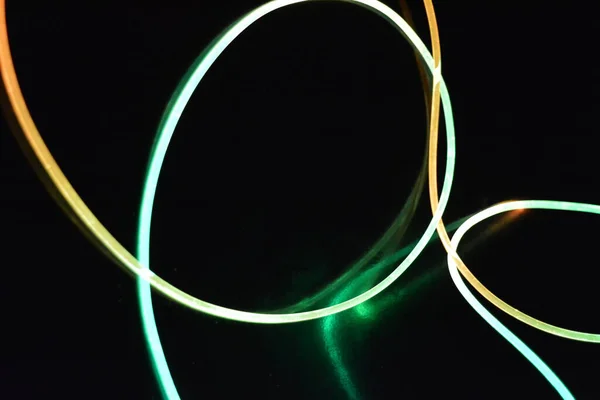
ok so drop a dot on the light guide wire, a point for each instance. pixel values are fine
(78, 210)
(166, 129)
(533, 358)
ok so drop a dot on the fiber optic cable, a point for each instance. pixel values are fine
(165, 132)
(65, 195)
(433, 193)
(548, 374)
(433, 139)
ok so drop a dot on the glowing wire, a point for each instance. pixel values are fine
(166, 129)
(53, 177)
(177, 105)
(433, 195)
(493, 321)
(556, 383)
(519, 205)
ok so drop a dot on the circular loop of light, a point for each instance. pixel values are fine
(65, 195)
(166, 129)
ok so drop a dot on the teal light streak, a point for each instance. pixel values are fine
(166, 129)
(533, 358)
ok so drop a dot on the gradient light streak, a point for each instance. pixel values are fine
(518, 206)
(71, 203)
(548, 374)
(433, 196)
(166, 130)
(56, 182)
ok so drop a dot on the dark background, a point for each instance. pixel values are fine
(294, 154)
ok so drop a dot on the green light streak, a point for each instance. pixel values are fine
(369, 309)
(166, 130)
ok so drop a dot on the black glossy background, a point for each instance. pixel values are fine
(294, 154)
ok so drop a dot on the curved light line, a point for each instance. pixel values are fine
(166, 130)
(548, 374)
(433, 196)
(78, 211)
(487, 316)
